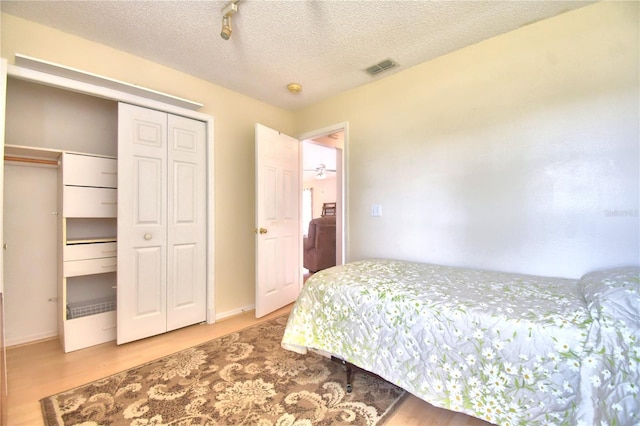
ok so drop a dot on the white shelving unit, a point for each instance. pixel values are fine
(88, 229)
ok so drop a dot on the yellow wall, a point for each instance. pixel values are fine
(518, 153)
(235, 116)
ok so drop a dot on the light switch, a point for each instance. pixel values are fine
(376, 209)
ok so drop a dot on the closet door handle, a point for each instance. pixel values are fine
(108, 202)
(109, 173)
(147, 237)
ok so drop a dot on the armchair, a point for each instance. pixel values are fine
(320, 244)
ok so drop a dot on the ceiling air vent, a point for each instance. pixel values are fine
(381, 67)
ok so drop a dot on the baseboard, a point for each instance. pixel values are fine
(29, 340)
(234, 312)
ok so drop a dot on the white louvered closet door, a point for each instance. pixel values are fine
(161, 223)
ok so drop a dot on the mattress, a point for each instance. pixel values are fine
(507, 348)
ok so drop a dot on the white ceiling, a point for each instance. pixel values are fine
(323, 44)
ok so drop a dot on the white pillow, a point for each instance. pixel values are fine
(614, 293)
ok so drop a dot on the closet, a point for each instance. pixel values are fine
(42, 123)
(134, 186)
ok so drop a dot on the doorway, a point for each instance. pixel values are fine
(322, 159)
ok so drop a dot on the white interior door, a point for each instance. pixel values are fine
(187, 231)
(278, 235)
(142, 219)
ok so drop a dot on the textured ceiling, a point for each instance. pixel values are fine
(323, 45)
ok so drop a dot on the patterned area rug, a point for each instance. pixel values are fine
(244, 378)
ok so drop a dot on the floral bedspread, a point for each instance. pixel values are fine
(507, 348)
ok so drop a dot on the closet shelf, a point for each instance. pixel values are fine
(92, 240)
(26, 154)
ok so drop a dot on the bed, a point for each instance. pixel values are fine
(507, 348)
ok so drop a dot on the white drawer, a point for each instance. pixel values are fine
(85, 170)
(76, 268)
(88, 331)
(89, 202)
(89, 251)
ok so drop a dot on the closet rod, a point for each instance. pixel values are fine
(31, 160)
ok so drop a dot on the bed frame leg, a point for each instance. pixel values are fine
(349, 368)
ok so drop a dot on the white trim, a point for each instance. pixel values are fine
(32, 338)
(326, 131)
(4, 390)
(99, 91)
(87, 77)
(3, 99)
(343, 172)
(211, 220)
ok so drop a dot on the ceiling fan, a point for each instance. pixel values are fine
(321, 171)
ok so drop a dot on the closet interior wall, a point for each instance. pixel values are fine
(43, 121)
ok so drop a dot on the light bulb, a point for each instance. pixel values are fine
(226, 27)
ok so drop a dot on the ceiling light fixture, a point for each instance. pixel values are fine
(320, 171)
(294, 88)
(227, 12)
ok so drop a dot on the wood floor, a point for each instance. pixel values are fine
(42, 369)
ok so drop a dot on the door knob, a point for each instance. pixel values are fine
(262, 230)
(147, 237)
